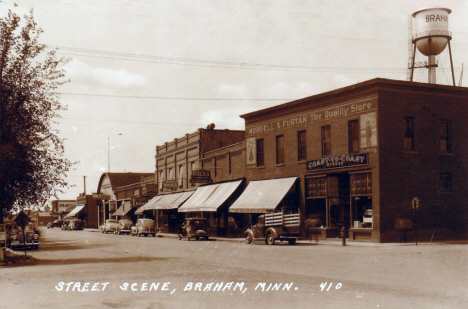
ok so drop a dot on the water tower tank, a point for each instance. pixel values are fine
(431, 33)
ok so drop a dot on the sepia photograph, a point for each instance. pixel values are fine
(233, 154)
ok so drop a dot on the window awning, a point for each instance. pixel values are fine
(210, 197)
(172, 201)
(75, 211)
(262, 196)
(123, 210)
(148, 206)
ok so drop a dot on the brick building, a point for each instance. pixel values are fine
(364, 155)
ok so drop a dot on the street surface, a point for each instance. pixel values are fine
(82, 269)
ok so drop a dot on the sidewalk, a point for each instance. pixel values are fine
(330, 242)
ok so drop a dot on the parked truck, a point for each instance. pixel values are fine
(275, 226)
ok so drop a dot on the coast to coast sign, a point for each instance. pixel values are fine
(348, 160)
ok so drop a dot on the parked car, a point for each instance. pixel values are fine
(143, 227)
(65, 224)
(75, 225)
(194, 228)
(110, 226)
(55, 223)
(124, 226)
(16, 239)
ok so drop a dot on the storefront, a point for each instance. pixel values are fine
(264, 196)
(212, 202)
(168, 219)
(363, 153)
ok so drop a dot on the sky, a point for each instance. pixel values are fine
(144, 72)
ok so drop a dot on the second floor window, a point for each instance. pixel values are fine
(301, 146)
(326, 141)
(260, 152)
(445, 182)
(353, 136)
(445, 144)
(409, 134)
(279, 149)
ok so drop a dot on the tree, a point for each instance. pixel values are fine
(32, 163)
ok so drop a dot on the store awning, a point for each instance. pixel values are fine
(75, 211)
(148, 206)
(123, 210)
(172, 201)
(210, 197)
(262, 196)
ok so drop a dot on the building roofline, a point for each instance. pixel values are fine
(376, 83)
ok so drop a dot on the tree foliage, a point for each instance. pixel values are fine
(32, 163)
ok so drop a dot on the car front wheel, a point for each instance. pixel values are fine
(248, 238)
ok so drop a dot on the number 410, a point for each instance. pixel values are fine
(323, 286)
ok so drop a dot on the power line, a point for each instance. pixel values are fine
(163, 98)
(211, 63)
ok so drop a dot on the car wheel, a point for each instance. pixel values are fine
(248, 238)
(270, 240)
(292, 242)
(197, 238)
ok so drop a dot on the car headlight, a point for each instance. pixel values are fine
(13, 237)
(36, 236)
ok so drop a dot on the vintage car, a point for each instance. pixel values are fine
(75, 225)
(124, 227)
(16, 239)
(55, 223)
(109, 227)
(65, 224)
(194, 228)
(143, 227)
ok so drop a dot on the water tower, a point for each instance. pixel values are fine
(430, 36)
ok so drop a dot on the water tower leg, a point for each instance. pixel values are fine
(412, 64)
(451, 62)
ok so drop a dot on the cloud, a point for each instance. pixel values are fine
(234, 91)
(282, 90)
(81, 72)
(224, 119)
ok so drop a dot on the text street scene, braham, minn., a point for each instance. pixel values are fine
(244, 154)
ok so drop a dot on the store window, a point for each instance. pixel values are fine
(353, 136)
(445, 182)
(326, 141)
(361, 200)
(180, 176)
(279, 149)
(260, 152)
(161, 179)
(409, 134)
(445, 144)
(192, 168)
(301, 146)
(316, 203)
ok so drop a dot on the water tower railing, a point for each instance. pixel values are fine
(442, 33)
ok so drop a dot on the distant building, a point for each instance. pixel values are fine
(115, 189)
(60, 208)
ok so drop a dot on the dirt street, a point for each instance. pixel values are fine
(83, 269)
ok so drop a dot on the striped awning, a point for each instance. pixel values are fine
(148, 206)
(172, 201)
(210, 197)
(262, 196)
(123, 210)
(75, 211)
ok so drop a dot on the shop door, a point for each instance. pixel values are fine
(338, 201)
